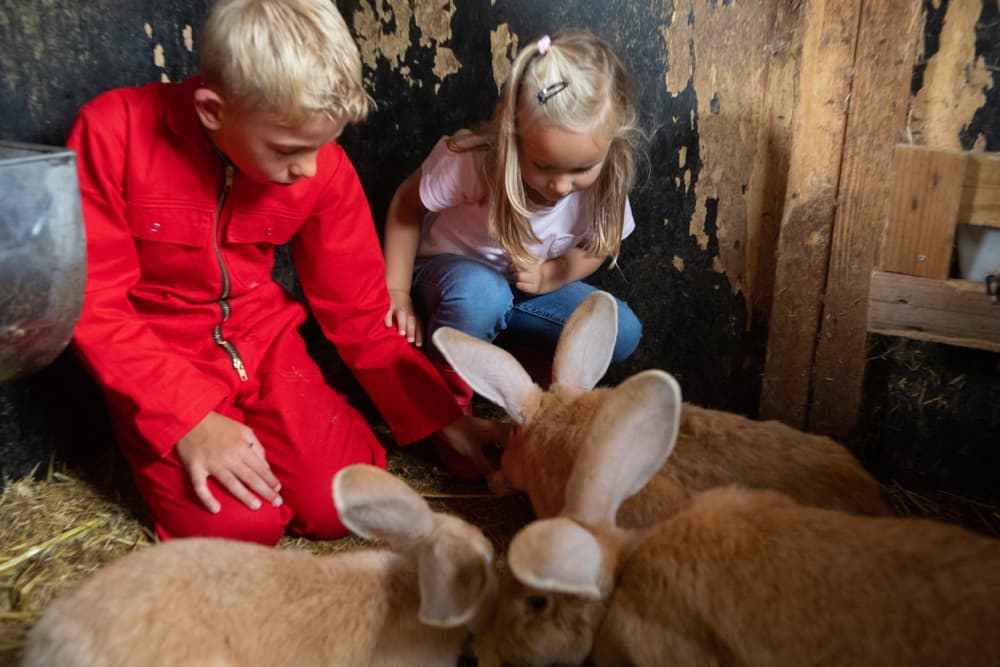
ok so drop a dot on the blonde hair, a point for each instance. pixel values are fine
(599, 92)
(295, 58)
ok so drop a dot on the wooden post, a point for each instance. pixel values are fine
(880, 95)
(809, 207)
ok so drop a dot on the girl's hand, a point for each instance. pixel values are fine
(229, 451)
(402, 315)
(530, 279)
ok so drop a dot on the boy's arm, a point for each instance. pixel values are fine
(550, 275)
(340, 265)
(165, 394)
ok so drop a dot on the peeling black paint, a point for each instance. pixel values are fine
(694, 325)
(54, 56)
(933, 24)
(986, 121)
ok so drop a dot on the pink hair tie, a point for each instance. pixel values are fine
(543, 44)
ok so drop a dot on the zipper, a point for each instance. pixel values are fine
(225, 309)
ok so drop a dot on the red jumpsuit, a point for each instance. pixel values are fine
(181, 316)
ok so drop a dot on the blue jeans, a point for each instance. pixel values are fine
(473, 297)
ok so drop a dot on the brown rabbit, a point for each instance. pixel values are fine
(713, 447)
(218, 602)
(736, 576)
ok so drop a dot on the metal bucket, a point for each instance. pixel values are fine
(42, 256)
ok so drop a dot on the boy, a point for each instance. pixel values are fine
(226, 422)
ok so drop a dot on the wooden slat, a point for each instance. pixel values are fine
(809, 206)
(924, 200)
(957, 312)
(887, 45)
(981, 190)
(769, 178)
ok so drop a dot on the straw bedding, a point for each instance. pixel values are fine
(61, 525)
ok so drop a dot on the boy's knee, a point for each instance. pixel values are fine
(233, 522)
(319, 522)
(309, 492)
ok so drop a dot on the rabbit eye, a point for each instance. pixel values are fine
(537, 603)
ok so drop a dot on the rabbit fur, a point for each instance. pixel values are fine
(204, 601)
(713, 447)
(736, 576)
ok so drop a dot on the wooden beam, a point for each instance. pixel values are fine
(810, 202)
(957, 312)
(880, 96)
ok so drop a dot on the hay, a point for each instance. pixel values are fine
(64, 526)
(59, 529)
(56, 531)
(944, 506)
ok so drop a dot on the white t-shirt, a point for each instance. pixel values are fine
(458, 222)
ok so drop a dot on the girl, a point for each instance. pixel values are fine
(523, 208)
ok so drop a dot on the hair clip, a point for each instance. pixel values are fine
(547, 92)
(543, 44)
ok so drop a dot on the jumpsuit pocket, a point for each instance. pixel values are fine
(177, 226)
(258, 228)
(251, 237)
(170, 242)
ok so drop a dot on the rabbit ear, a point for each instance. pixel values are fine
(586, 343)
(456, 575)
(491, 371)
(557, 555)
(376, 505)
(632, 435)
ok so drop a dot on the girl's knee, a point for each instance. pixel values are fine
(479, 305)
(629, 334)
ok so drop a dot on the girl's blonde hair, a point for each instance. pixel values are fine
(295, 58)
(599, 92)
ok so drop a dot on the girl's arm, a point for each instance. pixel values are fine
(550, 275)
(402, 237)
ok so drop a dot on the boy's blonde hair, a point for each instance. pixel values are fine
(295, 58)
(599, 92)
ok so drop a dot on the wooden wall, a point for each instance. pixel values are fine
(723, 88)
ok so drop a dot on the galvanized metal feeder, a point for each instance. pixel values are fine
(42, 256)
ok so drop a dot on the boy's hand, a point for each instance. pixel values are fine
(530, 279)
(401, 315)
(229, 451)
(469, 436)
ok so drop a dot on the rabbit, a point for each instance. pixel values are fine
(207, 601)
(736, 576)
(713, 447)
